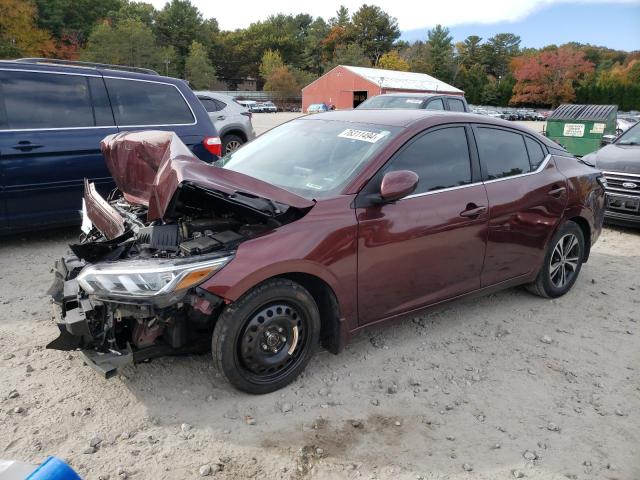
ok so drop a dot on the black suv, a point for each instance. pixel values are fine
(426, 101)
(53, 115)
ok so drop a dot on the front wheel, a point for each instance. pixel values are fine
(264, 340)
(562, 263)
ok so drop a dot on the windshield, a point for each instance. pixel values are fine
(394, 101)
(631, 136)
(311, 158)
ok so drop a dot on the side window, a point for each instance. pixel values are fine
(435, 104)
(139, 103)
(503, 153)
(209, 105)
(220, 105)
(456, 105)
(440, 158)
(536, 153)
(45, 100)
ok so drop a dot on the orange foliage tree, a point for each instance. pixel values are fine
(549, 77)
(19, 34)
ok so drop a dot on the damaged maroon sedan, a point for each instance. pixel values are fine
(317, 229)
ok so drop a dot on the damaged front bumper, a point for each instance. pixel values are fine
(75, 316)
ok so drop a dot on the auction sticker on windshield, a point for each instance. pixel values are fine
(363, 135)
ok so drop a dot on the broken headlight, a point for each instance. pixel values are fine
(147, 278)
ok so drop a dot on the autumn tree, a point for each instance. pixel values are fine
(393, 61)
(19, 35)
(198, 69)
(282, 82)
(271, 60)
(549, 77)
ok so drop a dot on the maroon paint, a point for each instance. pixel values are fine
(396, 185)
(385, 261)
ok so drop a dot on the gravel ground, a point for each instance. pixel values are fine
(494, 388)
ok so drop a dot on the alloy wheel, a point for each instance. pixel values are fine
(564, 260)
(232, 146)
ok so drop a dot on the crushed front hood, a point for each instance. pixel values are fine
(149, 167)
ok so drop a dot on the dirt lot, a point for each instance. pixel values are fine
(506, 385)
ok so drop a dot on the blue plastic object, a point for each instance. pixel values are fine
(54, 469)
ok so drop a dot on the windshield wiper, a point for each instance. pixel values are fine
(629, 143)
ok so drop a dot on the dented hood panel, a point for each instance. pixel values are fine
(149, 166)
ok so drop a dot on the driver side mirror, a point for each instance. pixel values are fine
(397, 185)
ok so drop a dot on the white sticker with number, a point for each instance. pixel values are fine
(363, 135)
(573, 130)
(598, 128)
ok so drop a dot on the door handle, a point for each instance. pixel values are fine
(221, 117)
(556, 191)
(473, 211)
(26, 146)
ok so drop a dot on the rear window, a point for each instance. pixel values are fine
(143, 103)
(392, 101)
(30, 100)
(503, 153)
(536, 153)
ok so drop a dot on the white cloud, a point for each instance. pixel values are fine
(411, 14)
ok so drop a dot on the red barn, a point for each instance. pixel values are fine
(346, 87)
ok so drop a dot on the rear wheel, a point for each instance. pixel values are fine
(231, 143)
(264, 340)
(562, 263)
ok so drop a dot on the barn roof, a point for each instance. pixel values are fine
(394, 79)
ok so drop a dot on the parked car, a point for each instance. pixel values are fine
(317, 108)
(231, 119)
(427, 101)
(623, 124)
(268, 252)
(52, 117)
(269, 107)
(620, 163)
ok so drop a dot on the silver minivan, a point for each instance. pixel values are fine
(231, 119)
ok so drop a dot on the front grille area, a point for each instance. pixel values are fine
(616, 181)
(623, 193)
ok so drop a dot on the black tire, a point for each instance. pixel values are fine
(230, 143)
(240, 336)
(550, 282)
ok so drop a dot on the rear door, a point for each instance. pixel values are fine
(429, 246)
(527, 196)
(50, 142)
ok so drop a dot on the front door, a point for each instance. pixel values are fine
(49, 143)
(527, 195)
(429, 246)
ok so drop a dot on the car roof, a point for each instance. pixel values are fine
(419, 119)
(87, 70)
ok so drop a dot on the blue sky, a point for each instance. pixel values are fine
(611, 25)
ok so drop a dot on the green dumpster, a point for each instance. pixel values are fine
(579, 128)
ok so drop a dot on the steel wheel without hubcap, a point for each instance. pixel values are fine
(564, 260)
(273, 341)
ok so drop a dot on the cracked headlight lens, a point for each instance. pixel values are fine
(147, 278)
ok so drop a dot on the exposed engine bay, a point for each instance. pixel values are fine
(130, 289)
